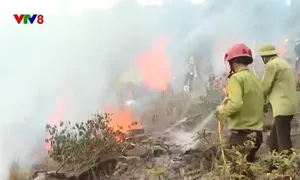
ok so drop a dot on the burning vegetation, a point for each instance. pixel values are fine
(114, 146)
(76, 143)
(156, 144)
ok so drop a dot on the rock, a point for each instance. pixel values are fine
(137, 151)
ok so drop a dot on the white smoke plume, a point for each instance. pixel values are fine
(71, 62)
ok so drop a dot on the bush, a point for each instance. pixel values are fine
(236, 167)
(82, 141)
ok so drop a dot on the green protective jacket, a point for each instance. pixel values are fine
(279, 87)
(244, 107)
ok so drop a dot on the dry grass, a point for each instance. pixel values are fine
(15, 172)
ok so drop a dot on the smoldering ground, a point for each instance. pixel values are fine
(66, 68)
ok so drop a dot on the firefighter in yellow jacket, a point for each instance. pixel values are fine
(243, 109)
(280, 88)
(126, 86)
(190, 74)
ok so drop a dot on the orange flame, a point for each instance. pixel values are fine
(57, 116)
(154, 66)
(122, 117)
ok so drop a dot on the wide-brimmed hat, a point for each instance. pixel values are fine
(267, 50)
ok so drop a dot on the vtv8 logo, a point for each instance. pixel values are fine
(30, 18)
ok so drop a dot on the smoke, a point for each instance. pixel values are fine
(228, 22)
(66, 68)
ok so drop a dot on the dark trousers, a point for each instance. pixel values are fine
(280, 136)
(239, 137)
(188, 80)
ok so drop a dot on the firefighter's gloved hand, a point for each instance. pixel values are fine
(218, 109)
(221, 118)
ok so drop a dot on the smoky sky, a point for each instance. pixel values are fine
(78, 59)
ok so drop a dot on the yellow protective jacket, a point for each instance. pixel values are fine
(244, 107)
(279, 87)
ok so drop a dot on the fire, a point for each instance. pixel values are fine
(282, 48)
(124, 118)
(57, 116)
(154, 66)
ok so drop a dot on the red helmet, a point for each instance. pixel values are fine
(238, 50)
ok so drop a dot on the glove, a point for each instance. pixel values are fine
(218, 109)
(217, 113)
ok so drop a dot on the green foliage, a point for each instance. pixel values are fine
(82, 141)
(237, 167)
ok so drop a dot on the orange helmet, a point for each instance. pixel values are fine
(238, 50)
